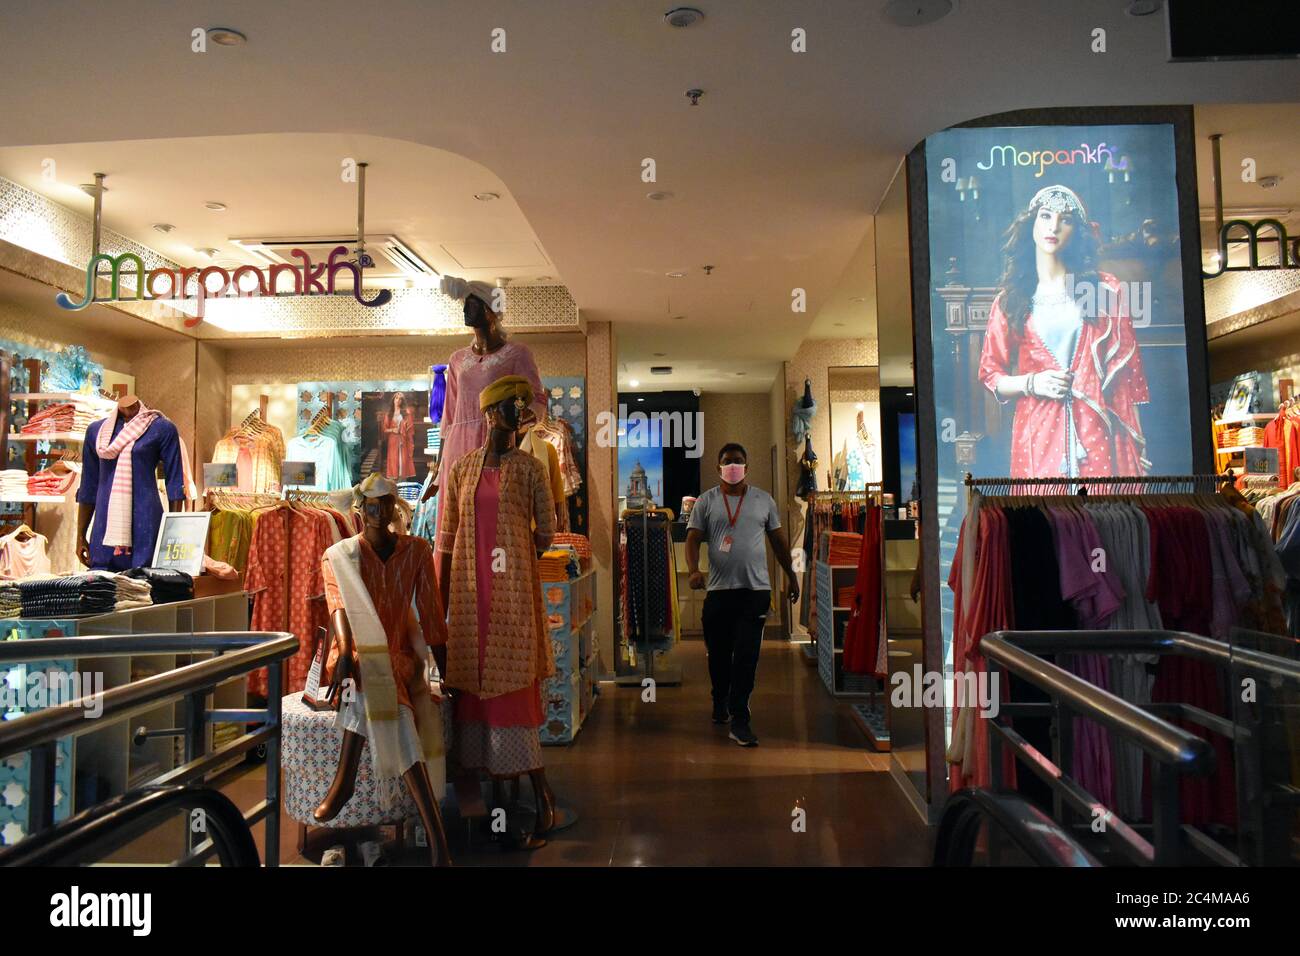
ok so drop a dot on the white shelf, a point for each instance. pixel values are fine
(1238, 449)
(93, 400)
(48, 436)
(36, 499)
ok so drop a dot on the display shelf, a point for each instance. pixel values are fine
(92, 400)
(570, 608)
(97, 765)
(48, 436)
(830, 624)
(36, 499)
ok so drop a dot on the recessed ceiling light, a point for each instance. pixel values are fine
(858, 298)
(225, 36)
(164, 227)
(660, 354)
(215, 206)
(677, 275)
(917, 13)
(659, 195)
(859, 407)
(634, 383)
(207, 251)
(640, 399)
(683, 17)
(1143, 8)
(486, 197)
(678, 318)
(839, 325)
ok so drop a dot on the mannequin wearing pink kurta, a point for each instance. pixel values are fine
(464, 427)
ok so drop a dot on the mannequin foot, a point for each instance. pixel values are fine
(544, 797)
(334, 802)
(527, 841)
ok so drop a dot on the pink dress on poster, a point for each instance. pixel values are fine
(464, 427)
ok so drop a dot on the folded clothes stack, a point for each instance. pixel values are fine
(131, 592)
(63, 417)
(167, 584)
(13, 484)
(58, 479)
(558, 564)
(66, 596)
(578, 542)
(11, 602)
(845, 547)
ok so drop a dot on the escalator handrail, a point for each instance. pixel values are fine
(1180, 749)
(1033, 832)
(93, 833)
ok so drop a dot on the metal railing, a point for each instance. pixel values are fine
(1036, 836)
(237, 653)
(93, 834)
(1173, 751)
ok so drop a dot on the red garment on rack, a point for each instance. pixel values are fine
(284, 568)
(862, 634)
(1181, 584)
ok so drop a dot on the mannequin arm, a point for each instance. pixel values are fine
(341, 631)
(84, 515)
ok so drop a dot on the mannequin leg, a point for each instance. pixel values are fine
(345, 778)
(545, 799)
(416, 778)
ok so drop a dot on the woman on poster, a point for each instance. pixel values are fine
(1060, 344)
(398, 428)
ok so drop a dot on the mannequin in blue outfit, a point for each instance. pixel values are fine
(161, 443)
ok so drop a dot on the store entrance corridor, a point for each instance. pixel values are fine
(657, 784)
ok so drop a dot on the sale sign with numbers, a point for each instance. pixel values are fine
(181, 540)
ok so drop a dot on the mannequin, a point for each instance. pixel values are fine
(395, 572)
(124, 522)
(469, 370)
(498, 648)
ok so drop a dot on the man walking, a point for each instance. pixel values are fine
(734, 518)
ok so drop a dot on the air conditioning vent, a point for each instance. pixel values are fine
(661, 370)
(393, 259)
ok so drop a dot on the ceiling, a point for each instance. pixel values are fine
(774, 175)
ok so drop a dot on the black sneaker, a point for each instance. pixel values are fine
(742, 735)
(720, 714)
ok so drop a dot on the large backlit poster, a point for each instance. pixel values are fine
(1056, 313)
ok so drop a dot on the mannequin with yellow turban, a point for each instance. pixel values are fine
(498, 645)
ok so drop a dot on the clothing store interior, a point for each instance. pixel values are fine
(647, 457)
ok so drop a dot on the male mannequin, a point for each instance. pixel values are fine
(104, 444)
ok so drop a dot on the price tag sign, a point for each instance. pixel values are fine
(297, 473)
(220, 475)
(1261, 461)
(181, 540)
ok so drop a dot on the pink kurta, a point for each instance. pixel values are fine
(464, 426)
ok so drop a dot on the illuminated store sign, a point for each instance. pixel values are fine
(1288, 249)
(308, 279)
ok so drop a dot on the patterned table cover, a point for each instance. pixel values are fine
(309, 757)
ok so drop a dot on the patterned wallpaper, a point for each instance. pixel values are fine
(20, 325)
(738, 417)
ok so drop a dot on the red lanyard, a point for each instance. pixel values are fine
(731, 519)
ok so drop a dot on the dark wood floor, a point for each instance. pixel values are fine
(658, 784)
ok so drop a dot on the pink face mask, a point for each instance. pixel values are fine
(733, 474)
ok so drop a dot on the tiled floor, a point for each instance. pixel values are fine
(658, 784)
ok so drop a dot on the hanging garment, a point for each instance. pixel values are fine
(23, 553)
(256, 448)
(325, 449)
(558, 433)
(862, 634)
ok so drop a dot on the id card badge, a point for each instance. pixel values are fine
(726, 545)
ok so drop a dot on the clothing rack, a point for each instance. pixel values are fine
(874, 491)
(1124, 484)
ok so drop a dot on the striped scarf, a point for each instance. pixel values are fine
(117, 524)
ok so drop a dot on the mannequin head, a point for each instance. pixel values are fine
(377, 501)
(504, 416)
(478, 314)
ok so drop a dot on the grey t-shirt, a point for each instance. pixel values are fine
(745, 564)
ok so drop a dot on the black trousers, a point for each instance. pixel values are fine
(733, 633)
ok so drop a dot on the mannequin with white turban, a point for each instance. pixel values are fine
(473, 368)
